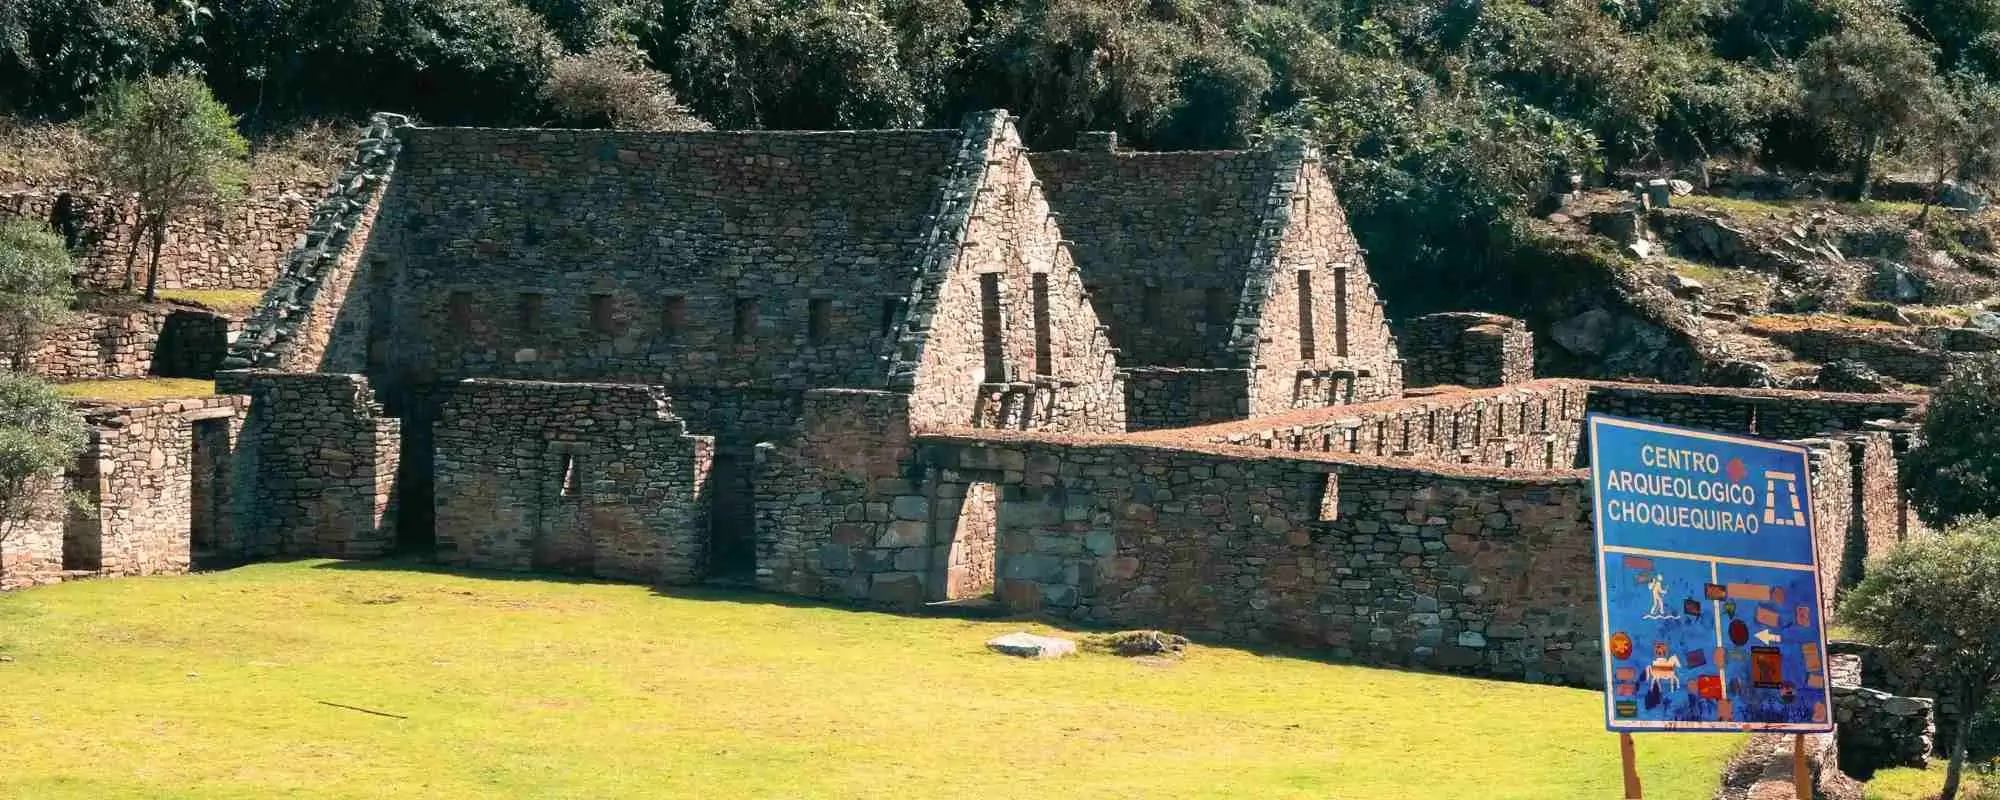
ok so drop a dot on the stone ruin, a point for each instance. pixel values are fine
(892, 368)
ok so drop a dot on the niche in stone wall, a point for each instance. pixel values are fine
(673, 316)
(819, 322)
(745, 324)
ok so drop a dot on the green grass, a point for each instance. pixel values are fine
(1923, 784)
(132, 390)
(1737, 206)
(214, 686)
(227, 301)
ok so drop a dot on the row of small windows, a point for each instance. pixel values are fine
(601, 313)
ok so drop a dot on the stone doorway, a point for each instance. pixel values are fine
(732, 550)
(208, 491)
(971, 550)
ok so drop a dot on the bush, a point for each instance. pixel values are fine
(1956, 471)
(610, 87)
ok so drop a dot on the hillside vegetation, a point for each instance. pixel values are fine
(1445, 119)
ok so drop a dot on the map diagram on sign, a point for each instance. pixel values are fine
(1708, 580)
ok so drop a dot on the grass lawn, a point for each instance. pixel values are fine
(227, 301)
(1923, 784)
(217, 685)
(133, 390)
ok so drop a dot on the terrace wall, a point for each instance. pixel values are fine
(1771, 414)
(132, 342)
(237, 245)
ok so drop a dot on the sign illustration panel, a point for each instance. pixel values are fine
(1708, 580)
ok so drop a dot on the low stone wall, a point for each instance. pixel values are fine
(315, 468)
(1533, 426)
(1466, 348)
(1905, 361)
(1879, 730)
(237, 245)
(1159, 398)
(1767, 413)
(588, 479)
(1883, 672)
(31, 551)
(157, 478)
(1468, 569)
(133, 342)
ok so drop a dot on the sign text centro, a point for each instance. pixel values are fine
(1708, 581)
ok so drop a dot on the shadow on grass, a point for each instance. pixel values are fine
(750, 596)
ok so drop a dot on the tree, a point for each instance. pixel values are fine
(1873, 86)
(1966, 137)
(40, 434)
(1932, 602)
(36, 290)
(1956, 471)
(797, 64)
(168, 143)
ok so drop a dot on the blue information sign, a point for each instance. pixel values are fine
(1709, 581)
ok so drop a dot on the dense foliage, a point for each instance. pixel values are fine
(36, 288)
(40, 434)
(1930, 602)
(1445, 118)
(1956, 472)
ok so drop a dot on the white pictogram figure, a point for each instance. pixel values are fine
(1665, 668)
(1659, 590)
(1771, 480)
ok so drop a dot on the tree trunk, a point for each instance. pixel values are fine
(132, 253)
(153, 266)
(1955, 769)
(1864, 167)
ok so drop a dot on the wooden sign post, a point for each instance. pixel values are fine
(1801, 771)
(1631, 760)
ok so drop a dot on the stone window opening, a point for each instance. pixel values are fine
(673, 316)
(1306, 333)
(1215, 303)
(1340, 311)
(528, 313)
(1044, 347)
(572, 477)
(603, 314)
(990, 315)
(746, 320)
(1149, 305)
(819, 311)
(892, 313)
(458, 313)
(1327, 504)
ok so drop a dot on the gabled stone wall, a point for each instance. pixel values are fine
(585, 479)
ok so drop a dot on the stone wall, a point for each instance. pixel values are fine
(234, 245)
(315, 466)
(1533, 426)
(1833, 503)
(839, 510)
(1463, 569)
(157, 478)
(1466, 348)
(1158, 398)
(133, 341)
(1905, 361)
(587, 479)
(1767, 413)
(1879, 730)
(1885, 672)
(31, 550)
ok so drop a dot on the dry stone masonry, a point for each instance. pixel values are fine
(234, 245)
(891, 368)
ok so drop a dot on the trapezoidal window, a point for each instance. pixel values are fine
(603, 315)
(528, 313)
(1149, 305)
(819, 313)
(990, 313)
(458, 313)
(1215, 305)
(746, 320)
(1306, 333)
(673, 316)
(892, 313)
(1044, 348)
(1340, 310)
(572, 476)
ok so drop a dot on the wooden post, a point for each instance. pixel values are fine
(1801, 771)
(1631, 760)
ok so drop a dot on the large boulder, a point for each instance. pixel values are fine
(1586, 334)
(1848, 375)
